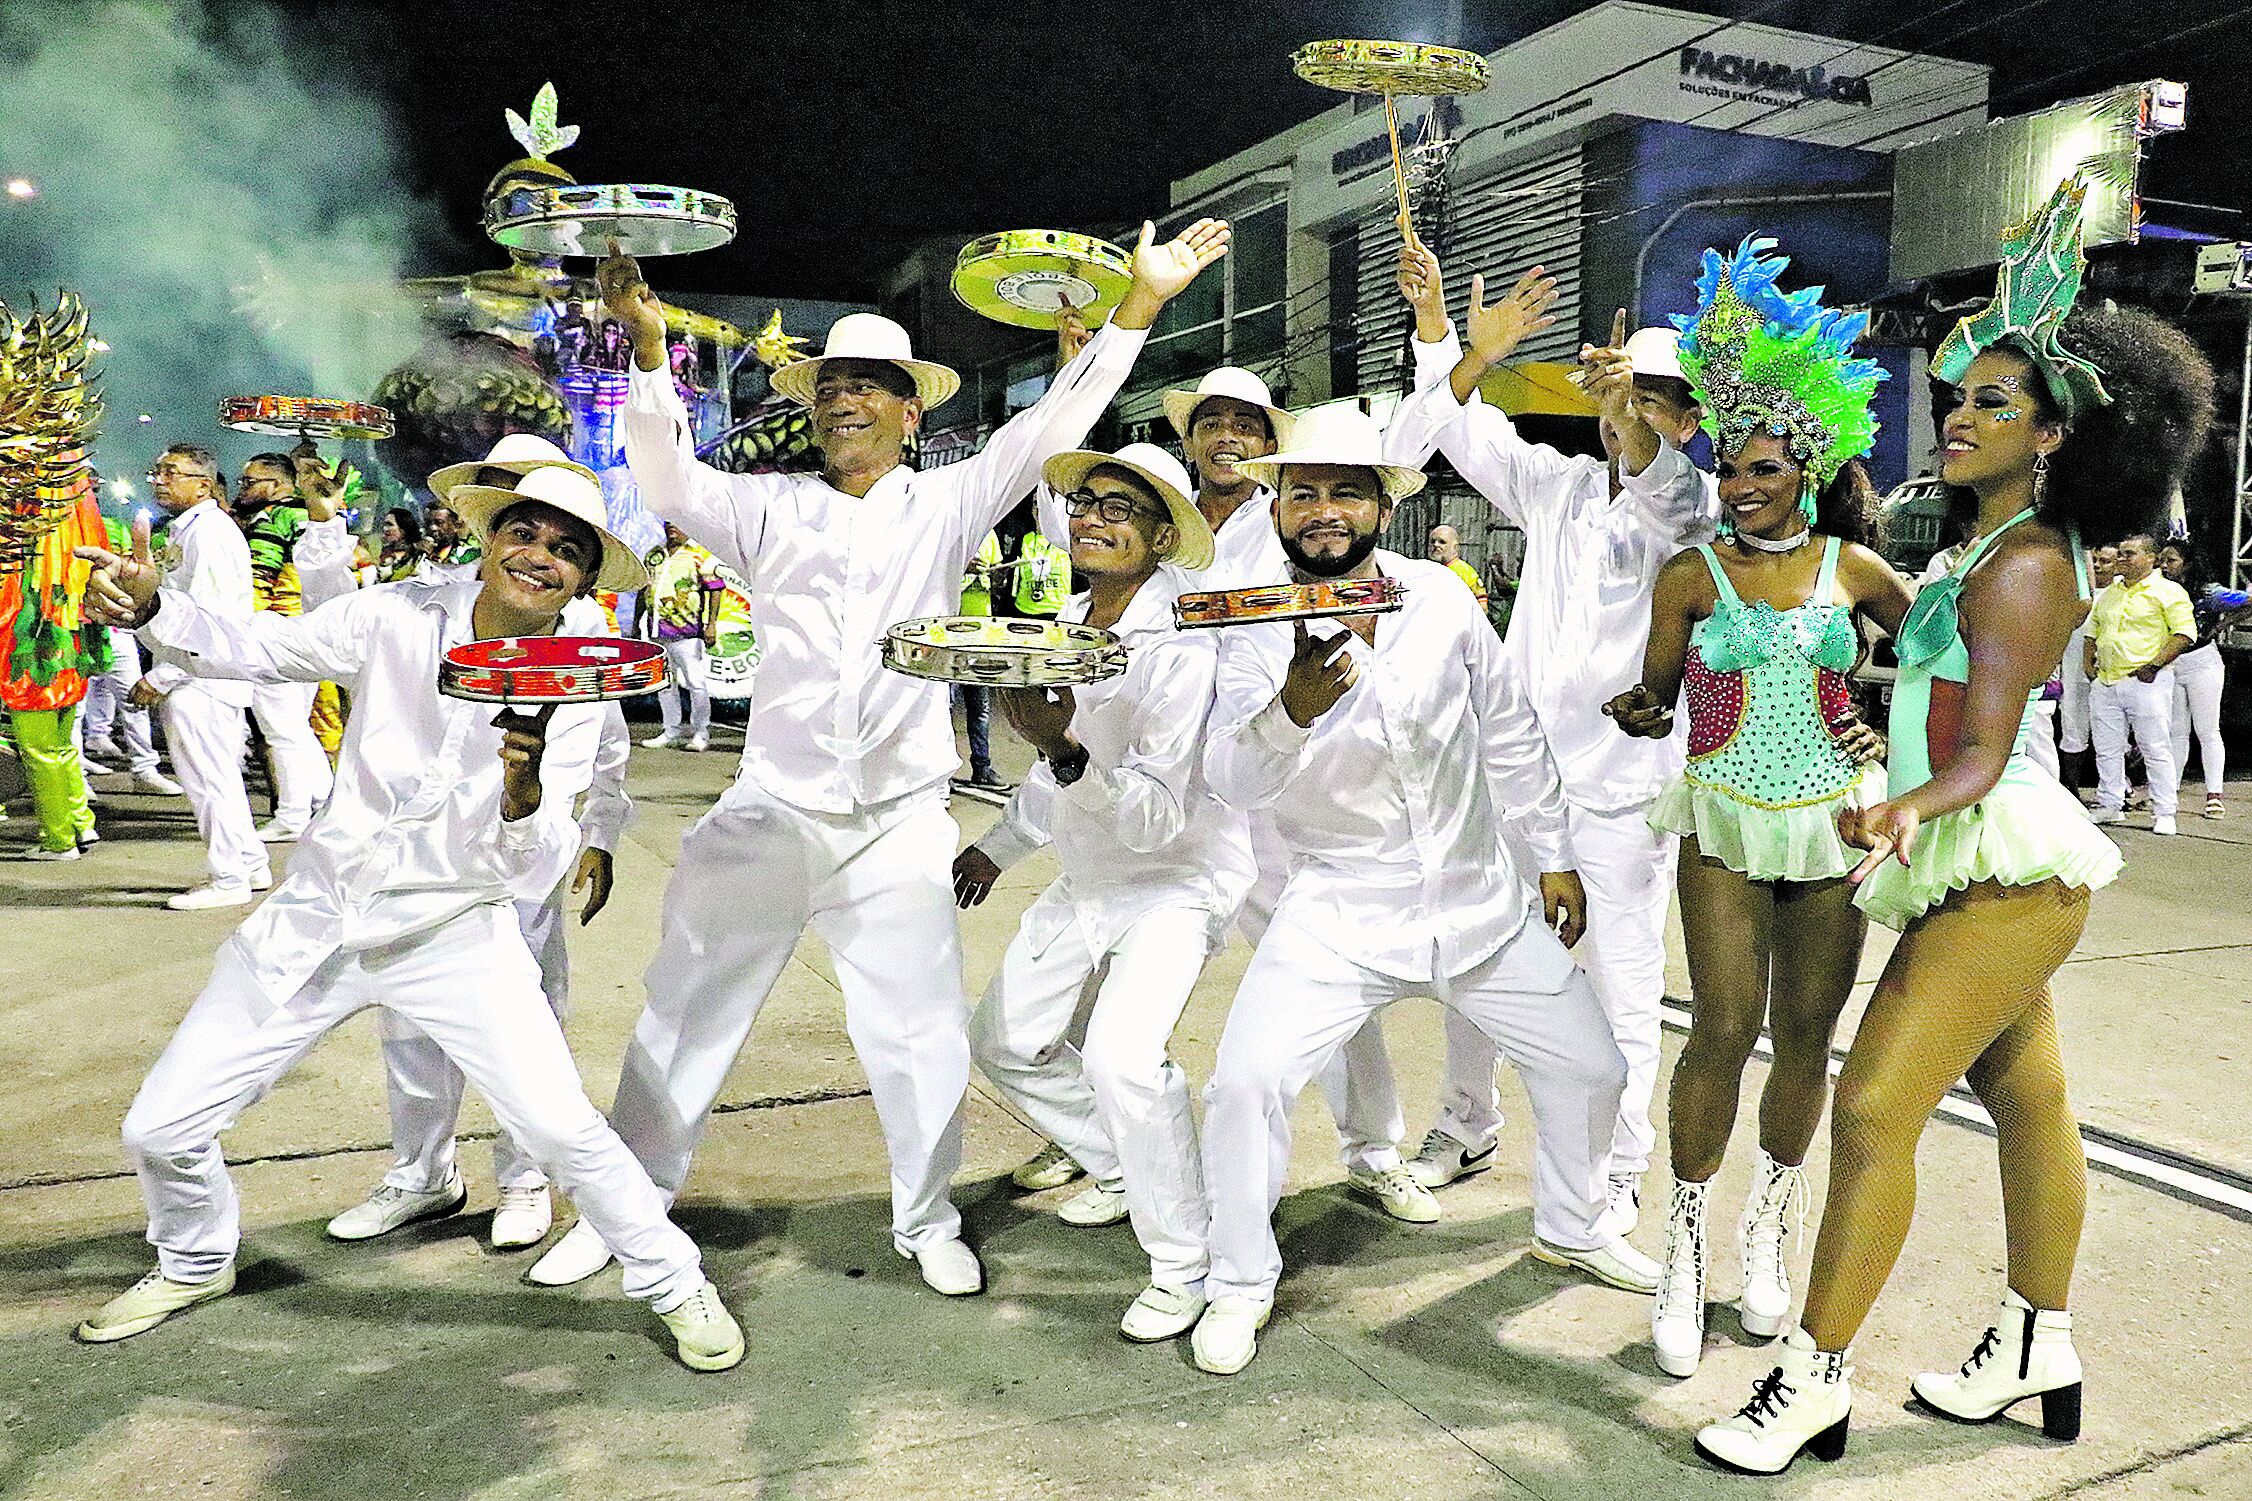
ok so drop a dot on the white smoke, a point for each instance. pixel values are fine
(233, 214)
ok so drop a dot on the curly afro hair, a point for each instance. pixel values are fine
(2121, 463)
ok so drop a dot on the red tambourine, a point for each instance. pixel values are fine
(1377, 596)
(305, 417)
(552, 669)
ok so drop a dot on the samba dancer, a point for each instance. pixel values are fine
(1596, 533)
(396, 898)
(1389, 800)
(838, 817)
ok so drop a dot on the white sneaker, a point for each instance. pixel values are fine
(574, 1258)
(37, 853)
(1095, 1207)
(2106, 815)
(156, 784)
(699, 742)
(1161, 1313)
(704, 1333)
(87, 838)
(105, 750)
(209, 895)
(148, 1303)
(1443, 1159)
(1804, 1403)
(1396, 1192)
(279, 831)
(663, 741)
(2163, 826)
(388, 1208)
(1677, 1313)
(1227, 1337)
(1777, 1191)
(1050, 1167)
(1623, 1210)
(2027, 1354)
(950, 1267)
(1614, 1262)
(523, 1219)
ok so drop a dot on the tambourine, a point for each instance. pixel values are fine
(1364, 67)
(1001, 652)
(1025, 277)
(304, 417)
(583, 218)
(1379, 596)
(552, 669)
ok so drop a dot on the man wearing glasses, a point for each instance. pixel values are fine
(206, 558)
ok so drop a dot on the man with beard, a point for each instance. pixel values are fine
(838, 819)
(1388, 751)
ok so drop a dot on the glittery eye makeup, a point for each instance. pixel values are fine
(2010, 415)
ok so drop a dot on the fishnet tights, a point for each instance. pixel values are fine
(1966, 992)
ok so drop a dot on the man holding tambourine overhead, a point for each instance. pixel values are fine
(838, 818)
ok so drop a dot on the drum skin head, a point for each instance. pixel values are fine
(1024, 277)
(552, 669)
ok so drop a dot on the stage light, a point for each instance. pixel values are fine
(21, 187)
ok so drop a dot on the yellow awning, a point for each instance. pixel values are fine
(1536, 388)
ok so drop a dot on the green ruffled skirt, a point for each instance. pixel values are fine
(2027, 830)
(1766, 844)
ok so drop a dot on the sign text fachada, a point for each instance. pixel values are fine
(1753, 76)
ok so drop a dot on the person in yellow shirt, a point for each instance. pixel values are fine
(1445, 548)
(2142, 622)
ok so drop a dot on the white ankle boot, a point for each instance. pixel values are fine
(1802, 1404)
(2027, 1354)
(1677, 1313)
(1777, 1193)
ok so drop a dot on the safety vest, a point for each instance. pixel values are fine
(1043, 577)
(977, 584)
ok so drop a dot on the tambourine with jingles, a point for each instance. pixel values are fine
(551, 669)
(1000, 652)
(583, 218)
(304, 417)
(1025, 277)
(1378, 596)
(1391, 69)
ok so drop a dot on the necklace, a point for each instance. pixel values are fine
(1792, 543)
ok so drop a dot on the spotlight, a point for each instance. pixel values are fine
(21, 187)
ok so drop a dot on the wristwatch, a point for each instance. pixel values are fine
(1069, 767)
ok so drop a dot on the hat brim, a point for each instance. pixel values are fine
(934, 383)
(477, 505)
(443, 482)
(1180, 410)
(1195, 550)
(1398, 480)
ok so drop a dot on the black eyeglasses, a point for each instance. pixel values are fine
(1111, 508)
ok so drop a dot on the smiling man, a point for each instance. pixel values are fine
(838, 817)
(399, 897)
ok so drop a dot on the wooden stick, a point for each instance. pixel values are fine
(1399, 172)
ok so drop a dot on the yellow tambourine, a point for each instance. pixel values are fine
(1025, 277)
(1365, 67)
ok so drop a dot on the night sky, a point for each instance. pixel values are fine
(844, 132)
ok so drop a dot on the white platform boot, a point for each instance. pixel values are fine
(1802, 1404)
(1778, 1192)
(2027, 1354)
(1677, 1312)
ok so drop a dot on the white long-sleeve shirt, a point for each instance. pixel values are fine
(205, 558)
(413, 835)
(1391, 804)
(1139, 830)
(832, 731)
(1582, 616)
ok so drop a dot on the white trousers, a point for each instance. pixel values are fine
(423, 1087)
(1115, 1101)
(207, 735)
(469, 984)
(1627, 868)
(107, 716)
(690, 670)
(875, 884)
(2073, 728)
(2145, 711)
(1300, 1000)
(2198, 679)
(2041, 745)
(302, 775)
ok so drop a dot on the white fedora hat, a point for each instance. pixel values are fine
(1655, 351)
(867, 336)
(1232, 381)
(518, 453)
(568, 489)
(1338, 434)
(1162, 472)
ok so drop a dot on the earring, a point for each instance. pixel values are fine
(1725, 528)
(1806, 500)
(2040, 480)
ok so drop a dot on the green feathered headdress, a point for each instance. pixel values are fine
(1766, 361)
(2034, 288)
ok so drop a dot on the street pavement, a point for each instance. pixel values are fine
(1403, 1361)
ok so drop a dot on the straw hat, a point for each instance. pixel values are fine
(1655, 351)
(867, 336)
(1158, 469)
(1338, 434)
(518, 453)
(570, 490)
(1228, 380)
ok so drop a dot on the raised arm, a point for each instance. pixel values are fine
(1516, 477)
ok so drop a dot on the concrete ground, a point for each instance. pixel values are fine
(1402, 1362)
